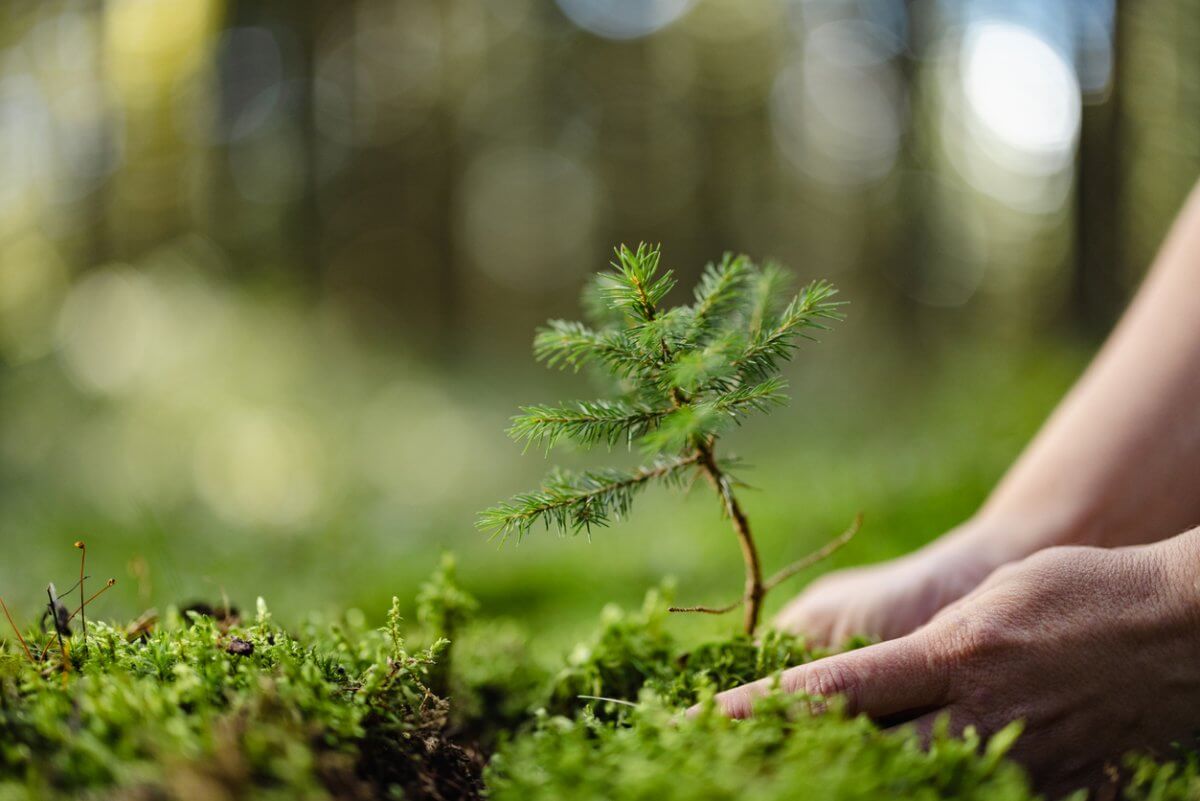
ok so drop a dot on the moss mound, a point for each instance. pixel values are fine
(200, 707)
(203, 705)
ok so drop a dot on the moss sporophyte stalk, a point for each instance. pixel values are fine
(681, 377)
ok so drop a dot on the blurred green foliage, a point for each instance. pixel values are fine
(915, 463)
(267, 273)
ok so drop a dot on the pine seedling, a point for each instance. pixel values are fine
(684, 376)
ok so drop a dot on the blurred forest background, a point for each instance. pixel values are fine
(269, 271)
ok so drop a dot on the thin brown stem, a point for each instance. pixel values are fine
(95, 595)
(783, 575)
(818, 555)
(709, 610)
(82, 603)
(752, 595)
(17, 631)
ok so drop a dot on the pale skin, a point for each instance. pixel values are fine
(1071, 600)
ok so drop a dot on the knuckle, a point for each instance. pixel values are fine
(735, 704)
(1051, 559)
(825, 679)
(962, 639)
(1005, 572)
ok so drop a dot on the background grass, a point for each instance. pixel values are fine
(914, 443)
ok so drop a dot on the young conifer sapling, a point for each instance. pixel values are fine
(683, 376)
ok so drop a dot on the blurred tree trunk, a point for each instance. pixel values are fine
(1160, 127)
(446, 193)
(307, 250)
(97, 246)
(910, 246)
(1097, 290)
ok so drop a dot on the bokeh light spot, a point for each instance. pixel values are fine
(107, 327)
(623, 19)
(527, 215)
(1024, 93)
(259, 467)
(33, 280)
(839, 112)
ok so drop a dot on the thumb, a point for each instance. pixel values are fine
(881, 680)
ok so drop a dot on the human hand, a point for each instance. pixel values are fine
(896, 597)
(1096, 650)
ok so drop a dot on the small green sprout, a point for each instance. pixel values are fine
(685, 375)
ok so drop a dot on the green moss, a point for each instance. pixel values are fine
(636, 651)
(635, 745)
(204, 707)
(340, 710)
(781, 753)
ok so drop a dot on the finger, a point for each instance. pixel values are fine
(812, 624)
(881, 680)
(847, 628)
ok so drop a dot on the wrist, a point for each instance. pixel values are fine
(994, 537)
(971, 550)
(1175, 567)
(1018, 529)
(1041, 516)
